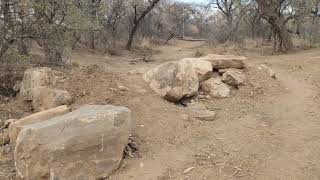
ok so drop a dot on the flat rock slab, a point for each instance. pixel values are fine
(16, 126)
(87, 143)
(225, 61)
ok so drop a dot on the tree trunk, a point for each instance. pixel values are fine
(131, 36)
(271, 12)
(284, 38)
(91, 39)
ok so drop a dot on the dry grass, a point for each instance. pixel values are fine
(225, 48)
(302, 43)
(145, 43)
(253, 43)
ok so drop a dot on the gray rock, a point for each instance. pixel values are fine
(16, 126)
(34, 78)
(271, 72)
(233, 78)
(44, 98)
(225, 61)
(216, 88)
(85, 144)
(177, 80)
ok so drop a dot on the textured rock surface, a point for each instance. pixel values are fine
(16, 126)
(45, 98)
(225, 61)
(177, 80)
(34, 78)
(215, 88)
(233, 78)
(85, 144)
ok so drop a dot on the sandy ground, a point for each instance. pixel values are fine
(268, 129)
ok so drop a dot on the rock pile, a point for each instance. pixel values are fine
(36, 86)
(212, 74)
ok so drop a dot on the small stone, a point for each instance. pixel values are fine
(4, 138)
(188, 170)
(123, 88)
(203, 115)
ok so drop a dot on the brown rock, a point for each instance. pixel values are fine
(233, 78)
(46, 98)
(16, 126)
(34, 78)
(216, 88)
(225, 61)
(87, 143)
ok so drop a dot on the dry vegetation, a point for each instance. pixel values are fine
(102, 48)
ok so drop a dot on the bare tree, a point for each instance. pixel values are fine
(272, 11)
(138, 17)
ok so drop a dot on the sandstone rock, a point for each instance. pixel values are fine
(34, 78)
(87, 143)
(225, 61)
(233, 78)
(16, 126)
(177, 80)
(163, 72)
(216, 88)
(45, 98)
(271, 72)
(201, 67)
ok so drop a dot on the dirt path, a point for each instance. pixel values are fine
(271, 135)
(268, 129)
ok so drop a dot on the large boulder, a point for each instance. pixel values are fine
(44, 98)
(36, 86)
(177, 80)
(233, 77)
(34, 78)
(87, 143)
(215, 88)
(16, 126)
(225, 61)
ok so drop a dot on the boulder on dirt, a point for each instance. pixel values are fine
(87, 143)
(271, 72)
(225, 61)
(177, 80)
(16, 126)
(33, 78)
(202, 68)
(44, 98)
(215, 88)
(233, 78)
